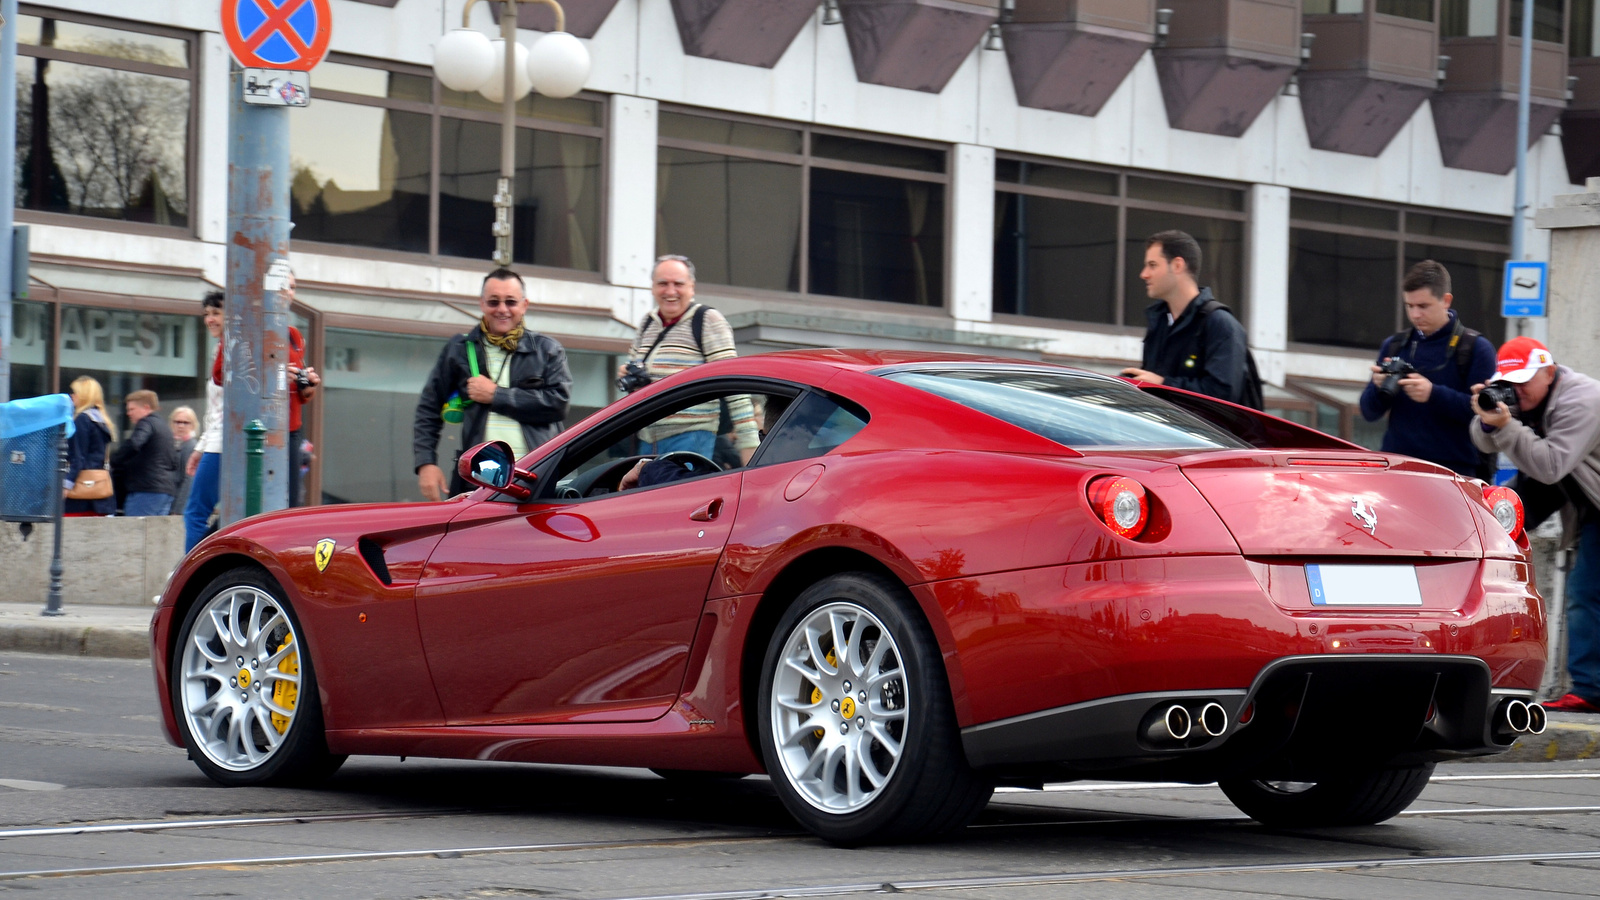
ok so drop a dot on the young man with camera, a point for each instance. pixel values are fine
(680, 334)
(501, 381)
(1552, 435)
(1424, 377)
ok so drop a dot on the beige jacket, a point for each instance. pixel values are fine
(1570, 446)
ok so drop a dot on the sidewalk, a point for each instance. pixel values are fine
(124, 632)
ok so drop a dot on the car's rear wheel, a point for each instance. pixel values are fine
(856, 723)
(243, 690)
(1360, 798)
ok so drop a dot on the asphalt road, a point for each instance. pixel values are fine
(94, 803)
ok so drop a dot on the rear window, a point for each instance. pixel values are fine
(1073, 410)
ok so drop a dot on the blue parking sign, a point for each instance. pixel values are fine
(1525, 289)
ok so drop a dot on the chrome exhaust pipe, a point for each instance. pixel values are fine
(1514, 715)
(1536, 718)
(1172, 725)
(1213, 719)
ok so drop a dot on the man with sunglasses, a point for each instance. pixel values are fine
(505, 382)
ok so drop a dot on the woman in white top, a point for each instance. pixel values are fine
(205, 464)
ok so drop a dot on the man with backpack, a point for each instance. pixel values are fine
(680, 334)
(1424, 378)
(1191, 340)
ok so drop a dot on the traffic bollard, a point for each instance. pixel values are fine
(255, 436)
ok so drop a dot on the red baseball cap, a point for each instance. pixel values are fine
(1520, 358)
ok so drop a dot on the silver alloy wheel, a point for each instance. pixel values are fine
(240, 677)
(839, 707)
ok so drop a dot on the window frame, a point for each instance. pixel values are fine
(437, 110)
(190, 74)
(806, 160)
(1122, 203)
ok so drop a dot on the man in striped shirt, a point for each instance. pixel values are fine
(669, 342)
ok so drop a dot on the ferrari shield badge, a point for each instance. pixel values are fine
(324, 553)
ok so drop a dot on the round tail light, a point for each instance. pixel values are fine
(1121, 503)
(1507, 509)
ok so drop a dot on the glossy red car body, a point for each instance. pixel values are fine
(626, 631)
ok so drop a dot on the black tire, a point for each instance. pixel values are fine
(929, 789)
(300, 755)
(1362, 798)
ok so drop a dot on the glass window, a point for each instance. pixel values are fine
(730, 132)
(1186, 193)
(1468, 18)
(1476, 279)
(815, 426)
(1055, 258)
(556, 204)
(1221, 257)
(1421, 10)
(371, 382)
(737, 218)
(1072, 410)
(30, 349)
(877, 153)
(128, 351)
(360, 175)
(1342, 288)
(594, 378)
(1548, 18)
(1353, 214)
(572, 110)
(1585, 30)
(1331, 7)
(371, 82)
(99, 140)
(1460, 229)
(877, 238)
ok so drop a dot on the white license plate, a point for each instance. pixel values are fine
(1363, 585)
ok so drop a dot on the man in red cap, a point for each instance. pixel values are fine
(1553, 437)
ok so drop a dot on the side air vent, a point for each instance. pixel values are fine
(372, 552)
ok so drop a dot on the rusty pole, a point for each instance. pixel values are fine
(256, 339)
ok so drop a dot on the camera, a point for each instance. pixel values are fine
(302, 380)
(1495, 393)
(1396, 368)
(634, 376)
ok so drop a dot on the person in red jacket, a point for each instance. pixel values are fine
(303, 383)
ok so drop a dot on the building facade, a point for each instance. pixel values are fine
(955, 174)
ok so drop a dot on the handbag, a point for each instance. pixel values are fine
(92, 484)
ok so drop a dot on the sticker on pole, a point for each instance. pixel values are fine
(1524, 291)
(277, 87)
(277, 34)
(277, 277)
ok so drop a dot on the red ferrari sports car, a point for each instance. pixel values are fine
(899, 580)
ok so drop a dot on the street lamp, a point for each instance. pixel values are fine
(466, 60)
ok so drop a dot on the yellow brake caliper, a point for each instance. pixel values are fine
(816, 695)
(284, 693)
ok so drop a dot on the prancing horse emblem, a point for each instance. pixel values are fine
(324, 553)
(1365, 514)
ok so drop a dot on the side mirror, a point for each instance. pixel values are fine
(490, 465)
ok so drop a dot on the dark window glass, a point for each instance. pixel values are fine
(99, 40)
(101, 142)
(129, 351)
(1186, 193)
(1547, 19)
(1055, 258)
(557, 195)
(573, 110)
(1476, 279)
(30, 349)
(1469, 18)
(877, 238)
(1072, 410)
(1221, 258)
(1459, 229)
(738, 219)
(815, 426)
(877, 153)
(1583, 32)
(1343, 289)
(1354, 214)
(1421, 10)
(361, 175)
(726, 131)
(1062, 178)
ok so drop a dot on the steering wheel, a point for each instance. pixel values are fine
(694, 462)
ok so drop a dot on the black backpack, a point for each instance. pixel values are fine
(1252, 395)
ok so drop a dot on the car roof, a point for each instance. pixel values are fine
(871, 360)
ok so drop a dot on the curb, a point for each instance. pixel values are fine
(1561, 742)
(75, 640)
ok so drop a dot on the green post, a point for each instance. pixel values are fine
(255, 437)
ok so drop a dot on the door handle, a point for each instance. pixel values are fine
(708, 512)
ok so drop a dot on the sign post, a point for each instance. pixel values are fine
(275, 43)
(1524, 291)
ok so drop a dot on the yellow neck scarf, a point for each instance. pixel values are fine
(508, 341)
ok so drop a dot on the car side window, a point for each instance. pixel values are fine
(813, 426)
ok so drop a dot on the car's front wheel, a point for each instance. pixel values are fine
(856, 723)
(1359, 798)
(243, 689)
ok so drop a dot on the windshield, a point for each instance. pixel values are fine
(1073, 410)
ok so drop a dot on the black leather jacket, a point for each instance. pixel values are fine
(540, 389)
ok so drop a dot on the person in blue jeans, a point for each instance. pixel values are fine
(205, 463)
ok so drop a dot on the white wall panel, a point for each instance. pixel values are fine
(630, 220)
(951, 115)
(972, 232)
(670, 75)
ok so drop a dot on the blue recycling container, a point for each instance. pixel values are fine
(31, 432)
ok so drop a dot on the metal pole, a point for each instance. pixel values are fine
(8, 189)
(1519, 206)
(255, 435)
(508, 137)
(256, 339)
(52, 603)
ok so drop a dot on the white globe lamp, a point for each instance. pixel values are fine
(494, 88)
(463, 60)
(558, 65)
